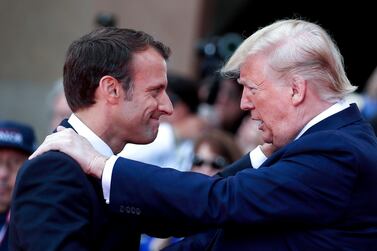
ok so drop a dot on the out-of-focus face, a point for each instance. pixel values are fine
(138, 118)
(10, 161)
(206, 161)
(60, 110)
(227, 104)
(268, 98)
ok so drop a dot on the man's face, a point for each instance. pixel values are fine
(140, 115)
(227, 103)
(10, 161)
(60, 110)
(268, 98)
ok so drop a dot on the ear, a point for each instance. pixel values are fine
(110, 89)
(298, 90)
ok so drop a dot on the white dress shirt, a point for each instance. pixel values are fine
(257, 157)
(95, 141)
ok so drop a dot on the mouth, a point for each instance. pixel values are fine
(155, 121)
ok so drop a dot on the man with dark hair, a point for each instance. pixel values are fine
(115, 83)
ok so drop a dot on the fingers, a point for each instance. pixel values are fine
(48, 143)
(41, 149)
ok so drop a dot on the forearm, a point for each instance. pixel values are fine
(197, 202)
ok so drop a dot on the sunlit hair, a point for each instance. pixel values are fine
(297, 47)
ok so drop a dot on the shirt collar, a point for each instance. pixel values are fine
(337, 107)
(94, 140)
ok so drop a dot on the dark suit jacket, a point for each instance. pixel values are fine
(57, 207)
(317, 193)
(4, 227)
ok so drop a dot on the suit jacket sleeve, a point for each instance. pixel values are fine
(236, 167)
(51, 206)
(310, 183)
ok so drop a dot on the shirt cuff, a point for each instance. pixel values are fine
(106, 177)
(257, 157)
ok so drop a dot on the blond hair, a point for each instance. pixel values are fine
(297, 47)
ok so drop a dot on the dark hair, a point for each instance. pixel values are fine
(220, 142)
(183, 89)
(104, 51)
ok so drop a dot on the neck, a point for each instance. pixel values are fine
(307, 113)
(101, 126)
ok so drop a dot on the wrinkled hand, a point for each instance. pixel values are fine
(76, 146)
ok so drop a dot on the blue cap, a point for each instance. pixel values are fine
(17, 136)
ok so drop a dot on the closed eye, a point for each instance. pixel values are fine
(157, 90)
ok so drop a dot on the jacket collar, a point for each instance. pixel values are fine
(338, 120)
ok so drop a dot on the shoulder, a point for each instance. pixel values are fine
(331, 140)
(345, 147)
(52, 166)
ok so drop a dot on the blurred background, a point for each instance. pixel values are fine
(202, 34)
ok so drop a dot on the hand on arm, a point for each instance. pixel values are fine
(76, 146)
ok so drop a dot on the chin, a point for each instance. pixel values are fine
(267, 139)
(148, 139)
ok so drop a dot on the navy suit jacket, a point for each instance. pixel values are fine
(319, 192)
(57, 207)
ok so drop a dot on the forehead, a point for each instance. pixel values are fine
(149, 58)
(149, 64)
(253, 69)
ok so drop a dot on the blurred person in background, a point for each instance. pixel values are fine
(248, 136)
(57, 103)
(17, 142)
(213, 151)
(227, 106)
(369, 108)
(220, 103)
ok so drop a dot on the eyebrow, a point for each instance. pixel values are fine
(250, 82)
(157, 86)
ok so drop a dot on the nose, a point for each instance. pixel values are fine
(165, 106)
(246, 103)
